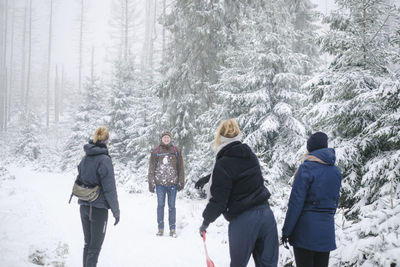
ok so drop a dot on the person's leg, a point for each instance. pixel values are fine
(303, 257)
(84, 211)
(161, 191)
(243, 232)
(98, 226)
(171, 206)
(321, 259)
(266, 250)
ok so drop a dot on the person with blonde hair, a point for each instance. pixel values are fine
(96, 169)
(238, 192)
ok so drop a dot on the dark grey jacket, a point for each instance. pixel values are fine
(96, 169)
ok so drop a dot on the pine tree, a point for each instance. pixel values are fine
(90, 115)
(345, 99)
(28, 146)
(260, 84)
(197, 32)
(120, 117)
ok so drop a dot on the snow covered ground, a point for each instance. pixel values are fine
(38, 224)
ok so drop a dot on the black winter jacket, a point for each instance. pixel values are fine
(237, 183)
(96, 169)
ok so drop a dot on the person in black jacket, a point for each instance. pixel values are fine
(96, 169)
(238, 192)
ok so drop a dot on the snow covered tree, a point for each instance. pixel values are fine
(28, 146)
(90, 115)
(120, 117)
(197, 39)
(260, 83)
(346, 100)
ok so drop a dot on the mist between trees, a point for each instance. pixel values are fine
(186, 65)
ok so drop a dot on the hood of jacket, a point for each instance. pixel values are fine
(93, 149)
(325, 154)
(236, 150)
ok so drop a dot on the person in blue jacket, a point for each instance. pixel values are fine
(309, 224)
(94, 169)
(238, 192)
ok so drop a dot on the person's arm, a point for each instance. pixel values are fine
(181, 171)
(297, 198)
(220, 192)
(107, 180)
(150, 176)
(202, 181)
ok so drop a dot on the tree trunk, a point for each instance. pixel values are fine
(11, 83)
(81, 47)
(49, 65)
(61, 102)
(23, 63)
(163, 32)
(28, 80)
(126, 48)
(146, 43)
(56, 98)
(92, 67)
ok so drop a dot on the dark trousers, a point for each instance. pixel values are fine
(170, 191)
(254, 232)
(94, 231)
(309, 258)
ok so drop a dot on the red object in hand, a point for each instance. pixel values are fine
(209, 262)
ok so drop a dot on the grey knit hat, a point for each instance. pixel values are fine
(166, 133)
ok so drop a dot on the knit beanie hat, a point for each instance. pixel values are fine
(166, 133)
(316, 141)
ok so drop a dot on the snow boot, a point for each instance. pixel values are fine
(160, 232)
(172, 233)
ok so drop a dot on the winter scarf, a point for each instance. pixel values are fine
(309, 158)
(224, 141)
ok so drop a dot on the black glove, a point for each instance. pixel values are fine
(285, 241)
(151, 189)
(203, 228)
(202, 181)
(179, 187)
(116, 220)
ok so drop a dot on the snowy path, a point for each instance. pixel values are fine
(35, 215)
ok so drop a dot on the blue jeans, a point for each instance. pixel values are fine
(161, 191)
(254, 232)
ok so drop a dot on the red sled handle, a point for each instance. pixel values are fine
(209, 262)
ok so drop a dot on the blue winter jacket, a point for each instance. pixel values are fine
(96, 169)
(309, 222)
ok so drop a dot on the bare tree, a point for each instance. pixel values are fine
(122, 21)
(3, 68)
(164, 12)
(82, 19)
(23, 53)
(92, 67)
(49, 64)
(150, 37)
(11, 72)
(62, 85)
(28, 79)
(56, 98)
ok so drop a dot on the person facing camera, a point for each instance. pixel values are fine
(309, 224)
(166, 176)
(238, 192)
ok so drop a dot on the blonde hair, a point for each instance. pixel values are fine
(101, 134)
(228, 128)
